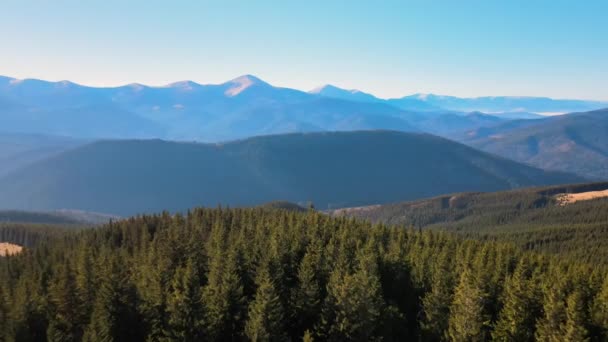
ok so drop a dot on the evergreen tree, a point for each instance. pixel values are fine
(517, 318)
(575, 328)
(307, 296)
(600, 310)
(223, 297)
(550, 326)
(29, 316)
(85, 280)
(185, 305)
(436, 302)
(468, 319)
(67, 320)
(354, 302)
(265, 322)
(114, 316)
(155, 273)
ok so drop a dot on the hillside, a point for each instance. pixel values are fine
(329, 169)
(576, 143)
(18, 150)
(534, 218)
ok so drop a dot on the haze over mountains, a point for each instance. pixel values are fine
(329, 169)
(51, 157)
(240, 108)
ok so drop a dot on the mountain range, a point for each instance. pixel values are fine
(243, 107)
(331, 170)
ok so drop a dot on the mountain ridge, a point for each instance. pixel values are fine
(332, 169)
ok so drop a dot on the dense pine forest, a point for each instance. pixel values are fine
(276, 275)
(533, 219)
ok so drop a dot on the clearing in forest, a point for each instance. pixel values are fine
(9, 249)
(565, 199)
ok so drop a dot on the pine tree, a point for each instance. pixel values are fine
(85, 280)
(574, 330)
(67, 319)
(517, 319)
(468, 319)
(307, 295)
(436, 302)
(265, 322)
(185, 306)
(354, 303)
(549, 326)
(28, 312)
(114, 316)
(155, 274)
(223, 297)
(600, 310)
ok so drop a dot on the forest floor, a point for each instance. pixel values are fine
(565, 199)
(9, 249)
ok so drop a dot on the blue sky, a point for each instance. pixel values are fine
(389, 48)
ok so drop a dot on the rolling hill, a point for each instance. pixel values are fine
(576, 143)
(329, 169)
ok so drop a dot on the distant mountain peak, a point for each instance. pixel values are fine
(184, 85)
(136, 86)
(329, 90)
(242, 83)
(332, 88)
(65, 84)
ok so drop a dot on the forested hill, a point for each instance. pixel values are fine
(278, 275)
(536, 219)
(328, 169)
(576, 142)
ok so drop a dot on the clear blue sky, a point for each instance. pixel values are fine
(390, 48)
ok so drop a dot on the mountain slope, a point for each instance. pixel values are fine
(18, 150)
(576, 142)
(329, 169)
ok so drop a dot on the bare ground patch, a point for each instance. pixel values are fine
(565, 199)
(9, 249)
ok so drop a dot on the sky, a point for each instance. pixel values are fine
(389, 48)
